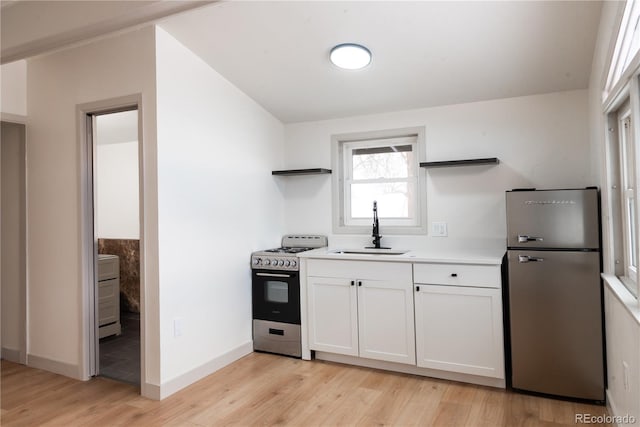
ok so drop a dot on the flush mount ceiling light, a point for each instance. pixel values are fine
(350, 56)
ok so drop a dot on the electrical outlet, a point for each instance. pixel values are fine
(439, 229)
(625, 376)
(177, 327)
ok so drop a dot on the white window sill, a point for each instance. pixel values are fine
(623, 295)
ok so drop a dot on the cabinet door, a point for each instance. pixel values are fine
(108, 302)
(333, 315)
(459, 329)
(386, 323)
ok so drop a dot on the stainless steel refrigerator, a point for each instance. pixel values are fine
(555, 293)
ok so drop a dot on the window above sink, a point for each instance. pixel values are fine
(382, 166)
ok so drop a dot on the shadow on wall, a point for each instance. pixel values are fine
(129, 252)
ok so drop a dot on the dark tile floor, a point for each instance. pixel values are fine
(120, 355)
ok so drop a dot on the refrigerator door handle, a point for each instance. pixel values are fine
(524, 238)
(525, 258)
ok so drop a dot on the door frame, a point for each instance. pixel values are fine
(89, 249)
(21, 355)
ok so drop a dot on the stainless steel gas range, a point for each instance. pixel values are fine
(276, 295)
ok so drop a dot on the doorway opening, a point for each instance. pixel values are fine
(115, 323)
(13, 285)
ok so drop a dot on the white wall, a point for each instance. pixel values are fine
(217, 203)
(13, 83)
(623, 348)
(118, 213)
(56, 83)
(622, 328)
(541, 141)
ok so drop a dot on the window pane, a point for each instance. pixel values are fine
(383, 162)
(627, 45)
(392, 198)
(633, 246)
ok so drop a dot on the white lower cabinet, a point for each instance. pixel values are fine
(333, 315)
(361, 309)
(444, 319)
(460, 328)
(385, 321)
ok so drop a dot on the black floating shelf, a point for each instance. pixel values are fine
(291, 172)
(467, 162)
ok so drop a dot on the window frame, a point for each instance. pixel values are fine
(624, 58)
(342, 145)
(621, 99)
(625, 106)
(628, 196)
(410, 180)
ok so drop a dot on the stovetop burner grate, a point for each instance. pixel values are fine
(288, 250)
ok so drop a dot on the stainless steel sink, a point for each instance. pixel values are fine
(369, 251)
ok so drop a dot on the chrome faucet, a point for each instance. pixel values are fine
(376, 227)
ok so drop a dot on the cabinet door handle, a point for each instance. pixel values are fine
(417, 288)
(359, 283)
(353, 282)
(454, 274)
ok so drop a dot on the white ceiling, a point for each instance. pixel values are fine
(32, 27)
(424, 53)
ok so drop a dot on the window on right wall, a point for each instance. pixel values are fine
(621, 104)
(626, 47)
(623, 175)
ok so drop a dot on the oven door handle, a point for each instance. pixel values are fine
(272, 275)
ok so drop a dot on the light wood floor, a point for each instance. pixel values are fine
(262, 389)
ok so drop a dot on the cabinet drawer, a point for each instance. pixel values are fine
(483, 276)
(108, 289)
(108, 312)
(371, 270)
(108, 267)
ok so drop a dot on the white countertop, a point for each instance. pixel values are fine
(488, 252)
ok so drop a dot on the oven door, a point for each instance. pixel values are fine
(276, 296)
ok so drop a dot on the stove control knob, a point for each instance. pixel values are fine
(257, 261)
(293, 263)
(281, 263)
(266, 262)
(287, 263)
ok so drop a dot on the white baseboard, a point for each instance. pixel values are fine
(170, 387)
(150, 391)
(11, 355)
(611, 406)
(62, 368)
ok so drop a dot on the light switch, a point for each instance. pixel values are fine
(439, 229)
(625, 376)
(177, 327)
